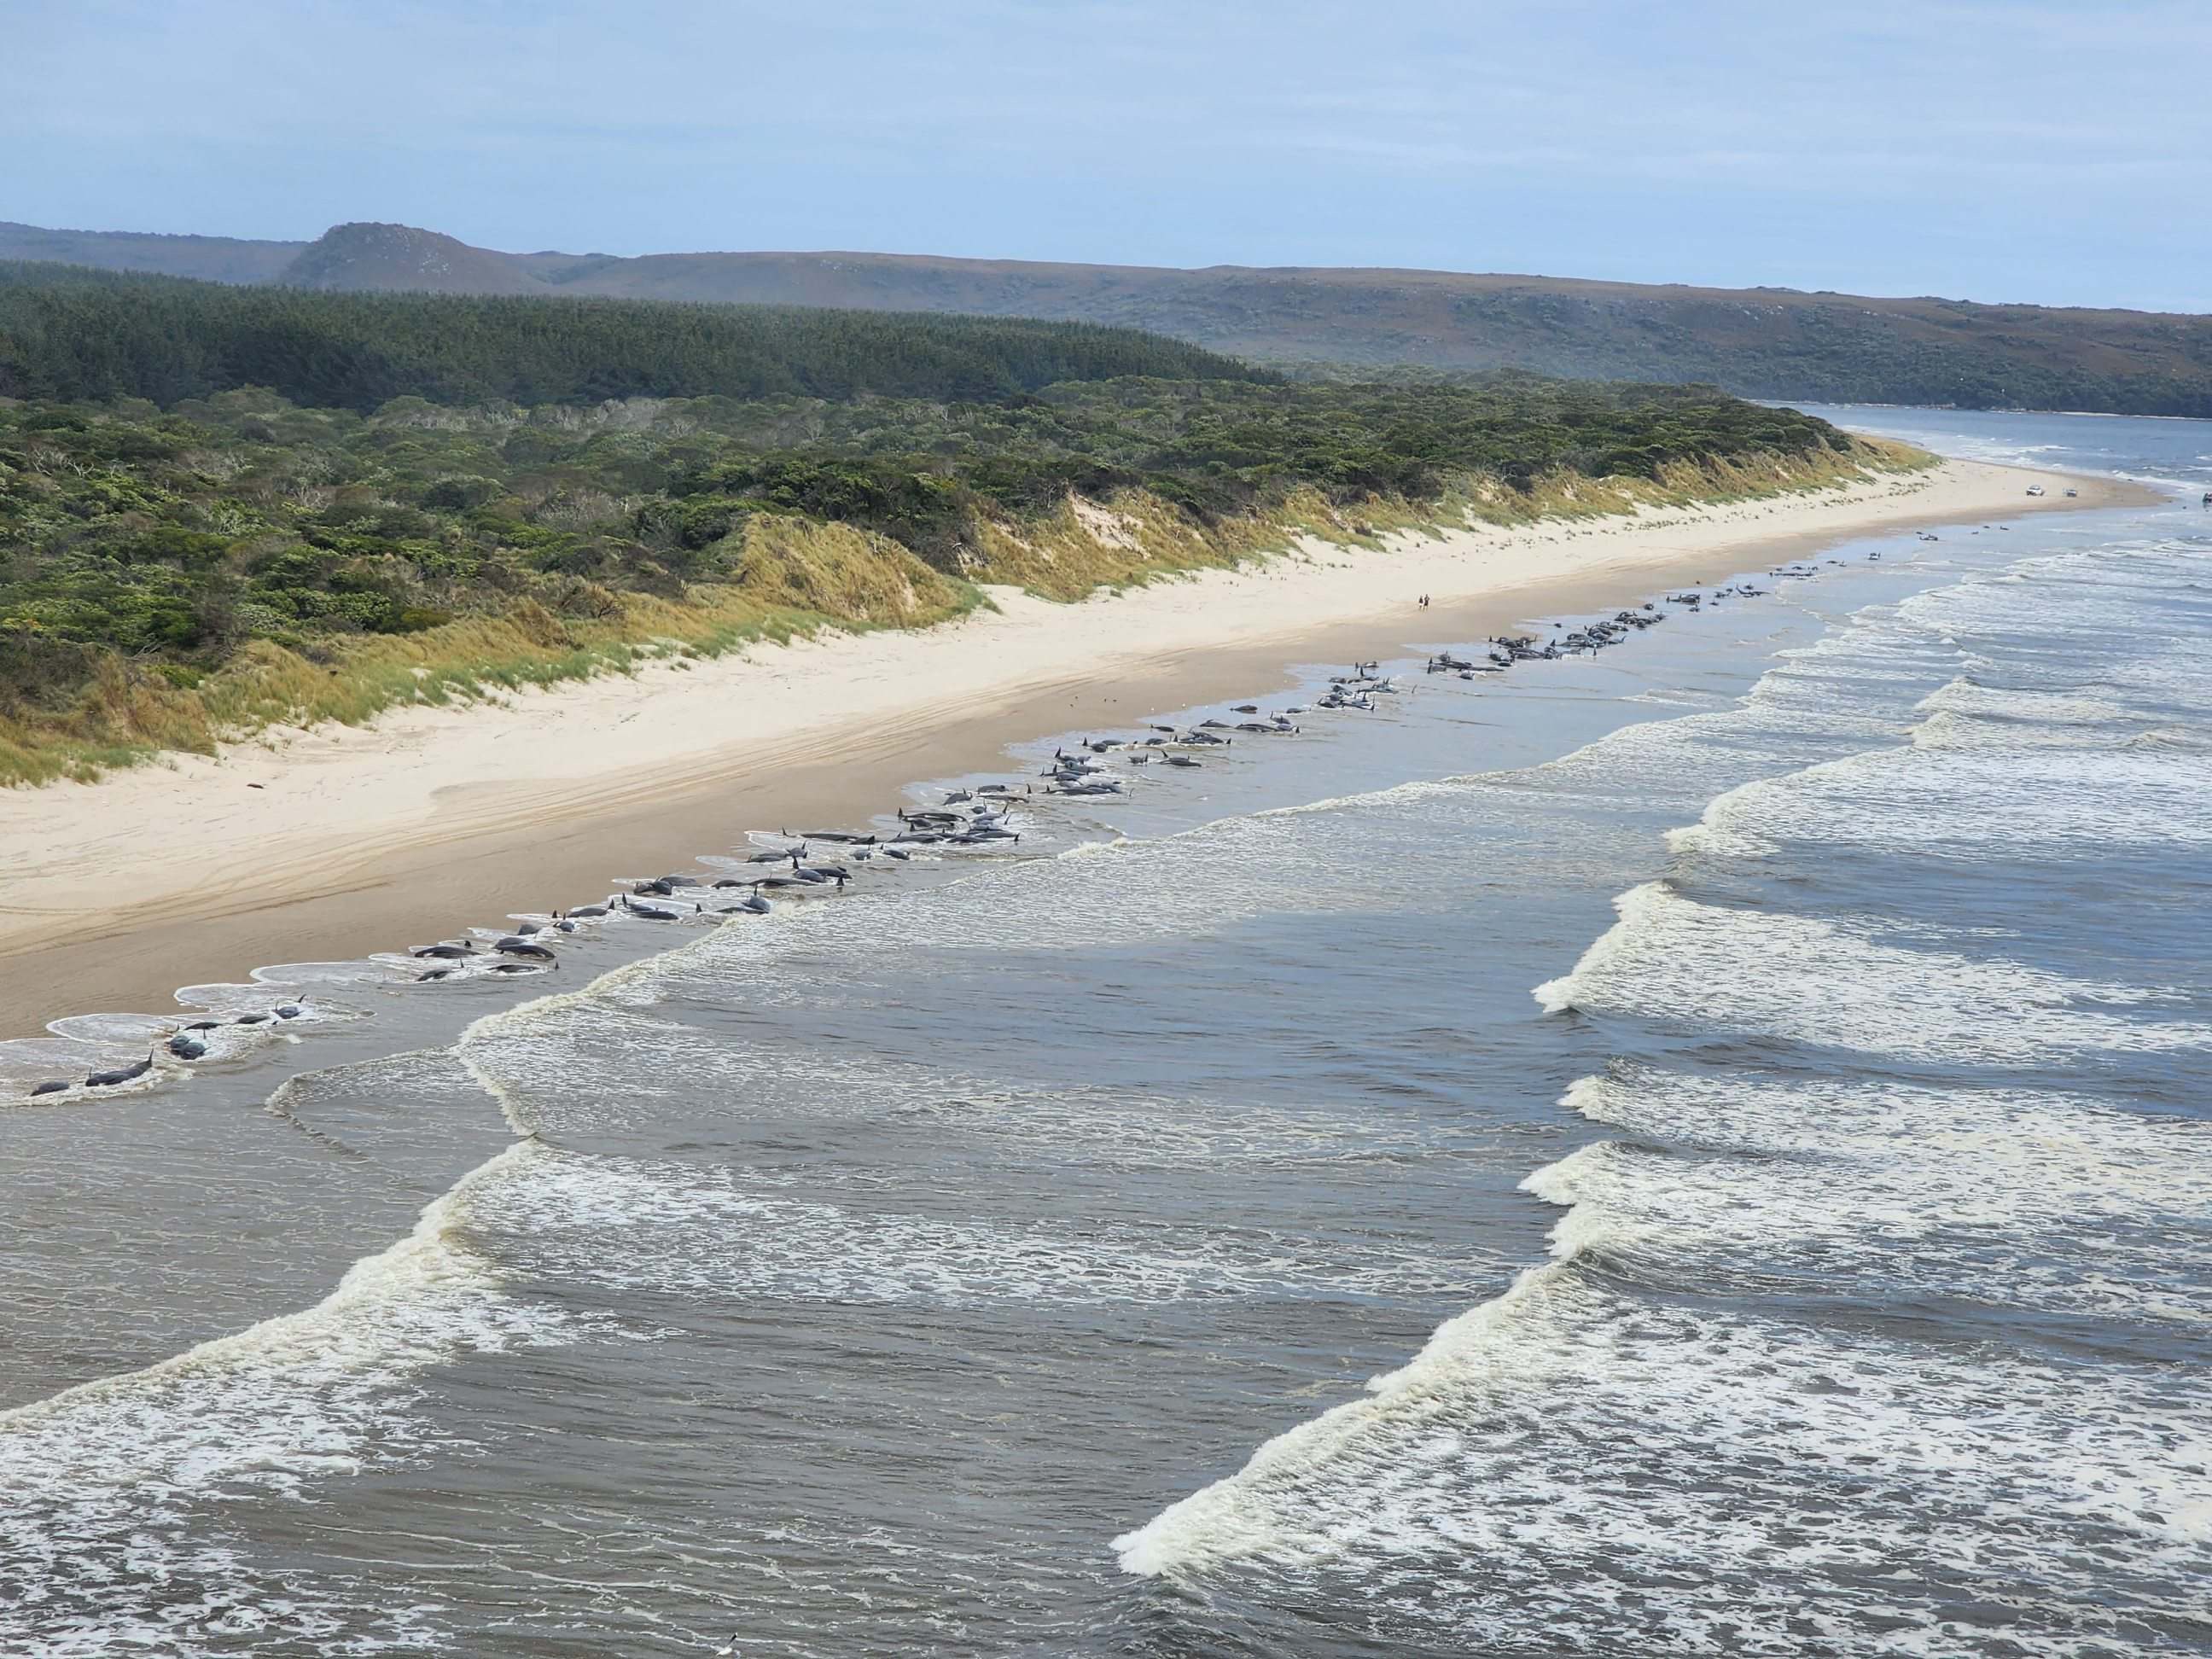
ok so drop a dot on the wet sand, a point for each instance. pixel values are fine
(119, 892)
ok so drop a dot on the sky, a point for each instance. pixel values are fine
(1985, 149)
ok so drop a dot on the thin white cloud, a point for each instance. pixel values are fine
(1652, 139)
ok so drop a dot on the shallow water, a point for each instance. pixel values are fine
(1698, 1150)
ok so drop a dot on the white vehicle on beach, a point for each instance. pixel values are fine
(2035, 489)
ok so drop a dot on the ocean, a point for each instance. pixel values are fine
(1702, 1149)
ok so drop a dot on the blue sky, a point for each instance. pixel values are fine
(2056, 153)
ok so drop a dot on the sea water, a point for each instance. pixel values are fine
(1700, 1150)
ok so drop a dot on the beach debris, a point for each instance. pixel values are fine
(973, 816)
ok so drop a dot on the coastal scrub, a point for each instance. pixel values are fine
(181, 573)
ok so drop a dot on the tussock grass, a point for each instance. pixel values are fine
(1136, 539)
(793, 578)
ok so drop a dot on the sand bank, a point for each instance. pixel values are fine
(325, 844)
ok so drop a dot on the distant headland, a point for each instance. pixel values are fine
(1757, 343)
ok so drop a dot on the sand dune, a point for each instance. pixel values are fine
(115, 893)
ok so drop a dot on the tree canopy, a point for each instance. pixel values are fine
(193, 475)
(72, 334)
(182, 532)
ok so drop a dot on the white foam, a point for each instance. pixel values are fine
(1238, 1518)
(1553, 1458)
(1570, 1468)
(1115, 895)
(1718, 969)
(2101, 626)
(1956, 793)
(2013, 1198)
(2022, 715)
(711, 1234)
(128, 1468)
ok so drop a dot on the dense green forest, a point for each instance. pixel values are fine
(73, 334)
(152, 553)
(1758, 342)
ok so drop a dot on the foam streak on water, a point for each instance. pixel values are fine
(1818, 1263)
(1861, 1336)
(114, 1533)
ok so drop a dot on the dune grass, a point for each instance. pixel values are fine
(795, 579)
(1136, 537)
(792, 578)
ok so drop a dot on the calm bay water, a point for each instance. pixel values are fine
(1703, 1149)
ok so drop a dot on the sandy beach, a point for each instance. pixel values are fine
(325, 844)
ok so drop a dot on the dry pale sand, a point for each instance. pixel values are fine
(180, 874)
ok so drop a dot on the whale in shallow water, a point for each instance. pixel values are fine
(121, 1073)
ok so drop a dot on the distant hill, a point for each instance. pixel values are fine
(1766, 343)
(365, 259)
(211, 258)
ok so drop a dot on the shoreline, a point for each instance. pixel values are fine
(327, 844)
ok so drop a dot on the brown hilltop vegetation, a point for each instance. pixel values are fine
(1756, 342)
(382, 259)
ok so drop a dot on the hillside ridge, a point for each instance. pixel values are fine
(70, 334)
(365, 256)
(1757, 341)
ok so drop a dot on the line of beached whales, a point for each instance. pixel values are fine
(981, 817)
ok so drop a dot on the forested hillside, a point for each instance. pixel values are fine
(72, 334)
(211, 258)
(227, 557)
(1765, 342)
